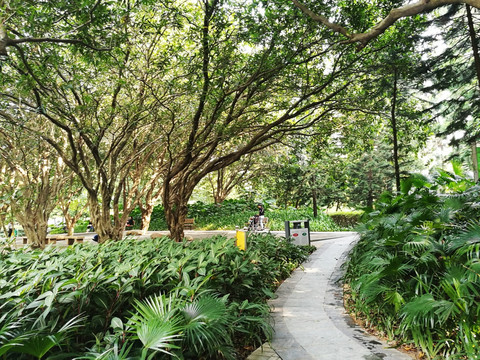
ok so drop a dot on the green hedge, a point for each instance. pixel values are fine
(347, 220)
(232, 213)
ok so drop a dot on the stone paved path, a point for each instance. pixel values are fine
(309, 319)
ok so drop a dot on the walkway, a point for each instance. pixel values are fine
(309, 319)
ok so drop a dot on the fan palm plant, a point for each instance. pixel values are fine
(41, 290)
(156, 323)
(415, 273)
(40, 339)
(207, 328)
(184, 329)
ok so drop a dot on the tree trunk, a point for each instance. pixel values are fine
(473, 39)
(175, 216)
(314, 203)
(220, 197)
(147, 205)
(370, 190)
(176, 228)
(225, 183)
(35, 227)
(70, 221)
(394, 131)
(475, 161)
(100, 217)
(370, 199)
(147, 212)
(176, 194)
(476, 57)
(70, 224)
(35, 239)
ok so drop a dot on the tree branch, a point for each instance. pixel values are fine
(54, 40)
(363, 39)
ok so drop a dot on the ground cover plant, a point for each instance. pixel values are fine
(138, 299)
(233, 213)
(415, 273)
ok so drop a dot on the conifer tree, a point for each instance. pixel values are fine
(455, 71)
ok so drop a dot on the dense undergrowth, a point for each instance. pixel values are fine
(415, 273)
(136, 299)
(233, 213)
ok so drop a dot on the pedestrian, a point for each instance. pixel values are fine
(90, 227)
(130, 223)
(261, 215)
(10, 229)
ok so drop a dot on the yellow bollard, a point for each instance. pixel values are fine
(241, 239)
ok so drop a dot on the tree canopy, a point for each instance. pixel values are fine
(147, 98)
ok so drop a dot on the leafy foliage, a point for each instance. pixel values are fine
(415, 271)
(346, 219)
(233, 213)
(141, 299)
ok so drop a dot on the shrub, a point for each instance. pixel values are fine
(414, 273)
(92, 301)
(232, 213)
(322, 222)
(345, 219)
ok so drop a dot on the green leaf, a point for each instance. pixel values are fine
(116, 323)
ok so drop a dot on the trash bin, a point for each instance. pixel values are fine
(298, 231)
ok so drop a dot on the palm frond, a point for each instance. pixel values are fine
(207, 326)
(157, 323)
(155, 307)
(158, 335)
(467, 242)
(394, 298)
(36, 346)
(418, 243)
(419, 313)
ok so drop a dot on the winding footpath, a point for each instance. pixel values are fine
(309, 319)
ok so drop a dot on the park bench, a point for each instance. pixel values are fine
(48, 239)
(189, 224)
(74, 239)
(51, 240)
(134, 233)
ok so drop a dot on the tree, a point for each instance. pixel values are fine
(463, 104)
(186, 89)
(101, 103)
(369, 176)
(78, 25)
(71, 202)
(456, 72)
(288, 180)
(246, 101)
(5, 208)
(397, 101)
(363, 38)
(224, 181)
(35, 177)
